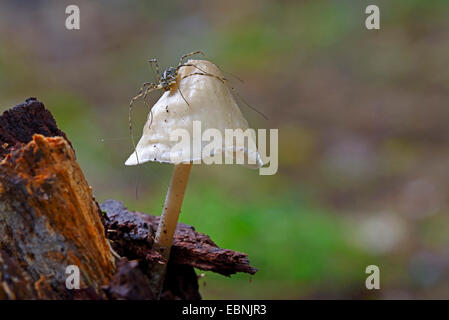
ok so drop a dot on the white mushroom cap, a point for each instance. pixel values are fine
(211, 102)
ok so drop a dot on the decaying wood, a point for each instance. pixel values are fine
(49, 220)
(48, 217)
(129, 282)
(15, 283)
(132, 234)
(20, 123)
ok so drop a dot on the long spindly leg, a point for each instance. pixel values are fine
(142, 88)
(154, 64)
(189, 65)
(146, 103)
(204, 74)
(195, 73)
(244, 101)
(196, 67)
(192, 74)
(151, 86)
(224, 80)
(179, 89)
(142, 93)
(202, 53)
(191, 54)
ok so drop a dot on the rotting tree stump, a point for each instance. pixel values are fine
(50, 220)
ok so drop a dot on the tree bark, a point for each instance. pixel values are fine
(48, 216)
(132, 234)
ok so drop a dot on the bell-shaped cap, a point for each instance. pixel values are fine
(210, 106)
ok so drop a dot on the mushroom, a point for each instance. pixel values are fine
(197, 96)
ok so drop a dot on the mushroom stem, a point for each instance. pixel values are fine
(172, 206)
(168, 222)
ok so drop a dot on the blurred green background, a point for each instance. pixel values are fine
(363, 130)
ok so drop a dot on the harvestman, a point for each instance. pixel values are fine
(167, 81)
